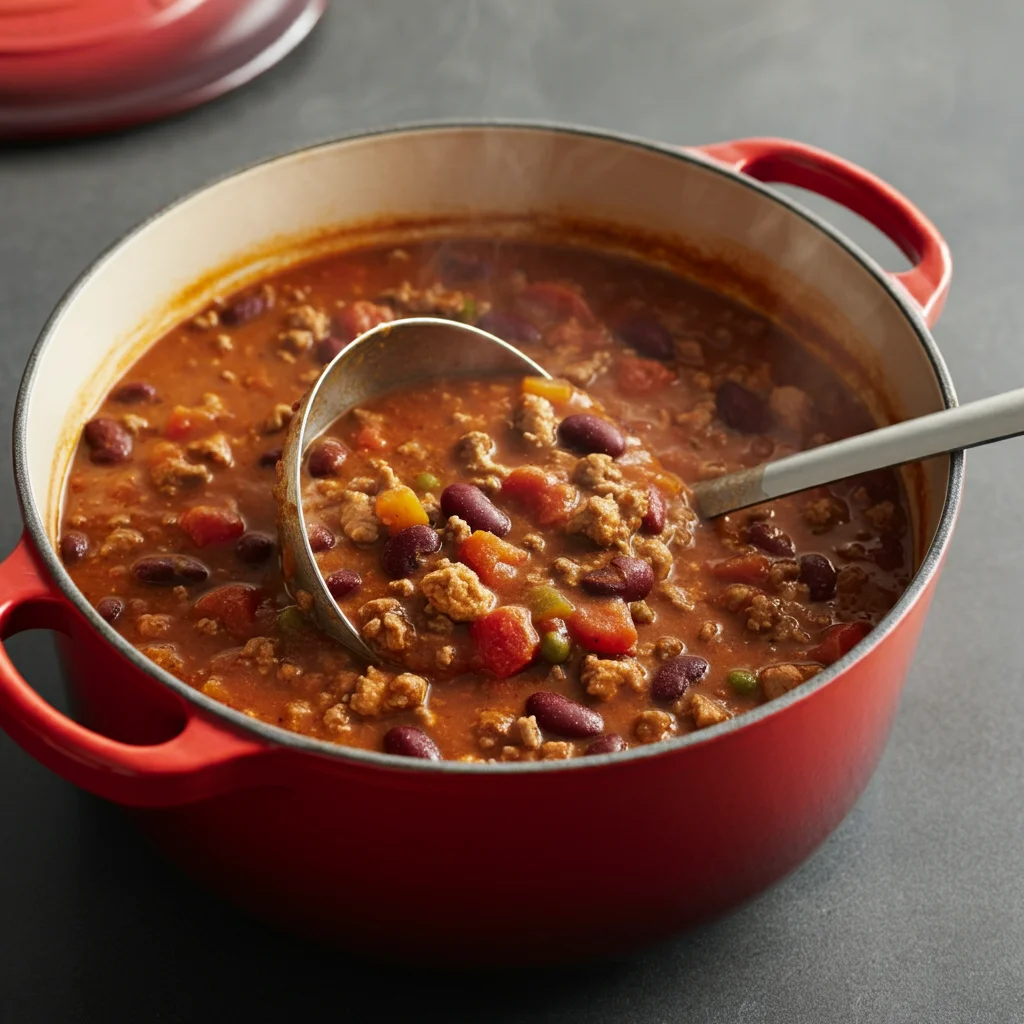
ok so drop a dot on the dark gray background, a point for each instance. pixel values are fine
(913, 910)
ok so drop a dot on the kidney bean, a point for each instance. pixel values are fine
(402, 552)
(271, 458)
(676, 675)
(625, 577)
(410, 741)
(73, 546)
(647, 336)
(134, 392)
(654, 518)
(110, 608)
(243, 309)
(343, 582)
(610, 744)
(470, 504)
(769, 537)
(254, 547)
(108, 441)
(562, 716)
(588, 434)
(326, 458)
(463, 267)
(169, 570)
(508, 326)
(327, 349)
(320, 538)
(740, 408)
(820, 576)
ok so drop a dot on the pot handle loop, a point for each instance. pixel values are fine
(201, 761)
(792, 163)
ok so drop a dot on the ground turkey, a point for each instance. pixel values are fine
(456, 591)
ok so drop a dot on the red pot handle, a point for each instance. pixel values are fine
(205, 759)
(792, 163)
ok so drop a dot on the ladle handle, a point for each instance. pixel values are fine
(990, 419)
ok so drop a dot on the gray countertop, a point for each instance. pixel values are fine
(914, 909)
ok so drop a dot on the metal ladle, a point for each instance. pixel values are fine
(391, 356)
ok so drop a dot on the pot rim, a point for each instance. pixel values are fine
(278, 736)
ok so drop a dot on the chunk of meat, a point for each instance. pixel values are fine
(357, 518)
(356, 318)
(493, 728)
(215, 449)
(456, 591)
(602, 677)
(170, 471)
(583, 372)
(792, 408)
(598, 473)
(652, 550)
(534, 417)
(706, 711)
(821, 514)
(779, 679)
(309, 318)
(385, 625)
(165, 656)
(611, 521)
(653, 726)
(457, 530)
(475, 450)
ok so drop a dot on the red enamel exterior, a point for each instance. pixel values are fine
(348, 849)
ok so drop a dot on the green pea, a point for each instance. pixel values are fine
(427, 482)
(290, 619)
(555, 647)
(741, 680)
(468, 311)
(547, 603)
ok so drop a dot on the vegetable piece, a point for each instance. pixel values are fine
(555, 647)
(506, 640)
(752, 569)
(186, 422)
(491, 558)
(399, 508)
(838, 641)
(547, 603)
(426, 482)
(233, 605)
(604, 627)
(742, 681)
(546, 499)
(548, 301)
(290, 620)
(369, 439)
(636, 376)
(211, 524)
(557, 391)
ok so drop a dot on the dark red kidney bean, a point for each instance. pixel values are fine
(647, 336)
(108, 441)
(508, 326)
(401, 553)
(676, 675)
(326, 458)
(254, 547)
(73, 546)
(320, 538)
(470, 504)
(243, 309)
(654, 518)
(169, 570)
(610, 744)
(589, 434)
(625, 577)
(110, 608)
(463, 267)
(410, 741)
(820, 576)
(272, 458)
(740, 408)
(343, 582)
(564, 717)
(327, 349)
(769, 537)
(134, 392)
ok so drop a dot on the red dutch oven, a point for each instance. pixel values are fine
(495, 862)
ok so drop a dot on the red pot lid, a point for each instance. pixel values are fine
(74, 66)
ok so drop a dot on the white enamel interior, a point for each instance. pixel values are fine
(247, 221)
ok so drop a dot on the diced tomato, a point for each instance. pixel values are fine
(188, 422)
(838, 641)
(547, 499)
(494, 560)
(369, 439)
(605, 627)
(636, 376)
(233, 605)
(506, 640)
(211, 524)
(548, 301)
(398, 507)
(577, 336)
(752, 569)
(358, 317)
